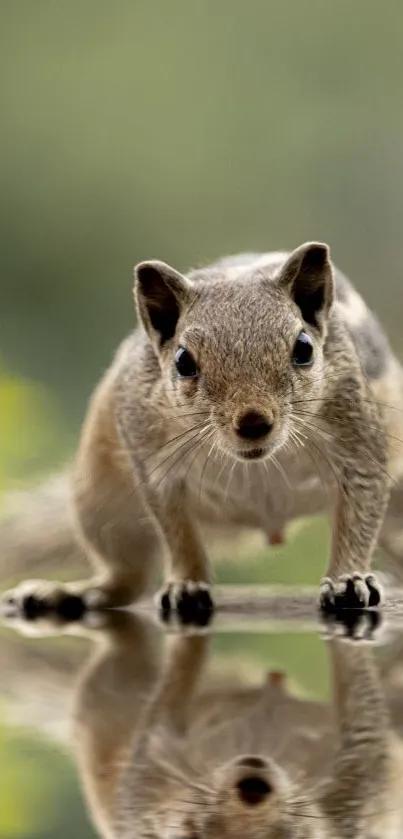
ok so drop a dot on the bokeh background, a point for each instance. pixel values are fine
(183, 131)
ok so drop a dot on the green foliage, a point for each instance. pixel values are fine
(29, 438)
(183, 131)
(39, 791)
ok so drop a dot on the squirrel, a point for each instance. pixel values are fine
(253, 391)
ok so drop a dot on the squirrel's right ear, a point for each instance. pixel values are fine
(160, 294)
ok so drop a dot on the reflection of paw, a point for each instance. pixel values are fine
(353, 591)
(353, 624)
(35, 599)
(52, 623)
(190, 599)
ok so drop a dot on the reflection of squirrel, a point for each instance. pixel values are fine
(167, 746)
(166, 756)
(256, 390)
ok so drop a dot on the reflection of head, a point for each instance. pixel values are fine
(249, 796)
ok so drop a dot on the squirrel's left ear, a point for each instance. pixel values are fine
(307, 275)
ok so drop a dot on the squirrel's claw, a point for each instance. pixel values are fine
(190, 599)
(350, 591)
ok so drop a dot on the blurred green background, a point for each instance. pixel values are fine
(182, 131)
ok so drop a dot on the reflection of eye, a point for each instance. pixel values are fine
(185, 364)
(302, 354)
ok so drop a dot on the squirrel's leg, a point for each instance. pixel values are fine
(122, 524)
(359, 456)
(173, 699)
(125, 526)
(391, 534)
(188, 576)
(154, 778)
(113, 691)
(363, 731)
(120, 539)
(119, 535)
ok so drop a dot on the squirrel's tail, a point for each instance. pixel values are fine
(37, 534)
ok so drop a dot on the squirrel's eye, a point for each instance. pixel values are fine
(185, 365)
(302, 355)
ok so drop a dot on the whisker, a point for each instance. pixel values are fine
(203, 440)
(280, 468)
(323, 454)
(233, 467)
(324, 433)
(205, 464)
(363, 399)
(181, 449)
(344, 813)
(305, 444)
(346, 425)
(225, 458)
(184, 450)
(180, 416)
(324, 485)
(178, 437)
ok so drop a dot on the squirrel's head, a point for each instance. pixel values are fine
(248, 797)
(239, 347)
(252, 796)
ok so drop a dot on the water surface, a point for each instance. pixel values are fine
(75, 701)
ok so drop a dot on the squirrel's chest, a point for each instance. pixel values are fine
(269, 493)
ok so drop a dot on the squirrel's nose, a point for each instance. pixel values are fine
(253, 426)
(253, 790)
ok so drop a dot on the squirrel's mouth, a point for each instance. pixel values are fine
(253, 454)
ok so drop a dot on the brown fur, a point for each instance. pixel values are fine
(160, 458)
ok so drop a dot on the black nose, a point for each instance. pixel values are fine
(253, 426)
(253, 790)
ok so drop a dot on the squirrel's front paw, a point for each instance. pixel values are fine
(35, 599)
(350, 591)
(189, 598)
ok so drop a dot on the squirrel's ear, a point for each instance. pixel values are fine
(160, 293)
(308, 276)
